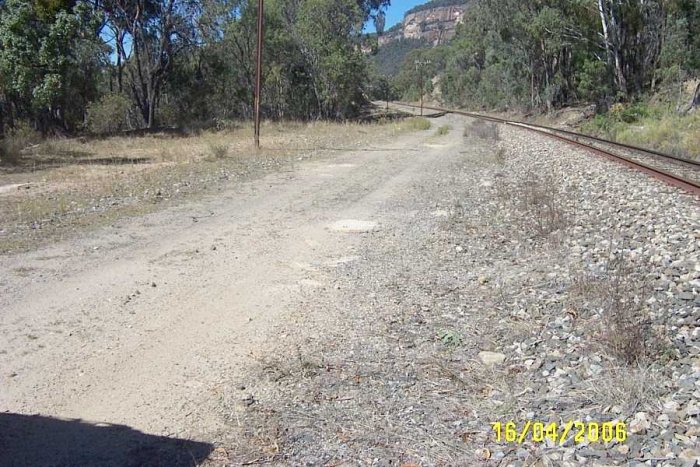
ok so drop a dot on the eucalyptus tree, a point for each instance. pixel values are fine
(150, 36)
(50, 60)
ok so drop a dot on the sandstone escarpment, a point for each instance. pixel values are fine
(434, 25)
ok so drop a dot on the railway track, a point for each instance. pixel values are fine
(677, 171)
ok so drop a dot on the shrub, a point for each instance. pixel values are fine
(218, 151)
(418, 124)
(626, 329)
(443, 130)
(108, 115)
(540, 207)
(482, 130)
(15, 141)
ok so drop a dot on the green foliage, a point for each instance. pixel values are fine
(417, 124)
(312, 65)
(389, 57)
(643, 124)
(47, 54)
(450, 338)
(546, 54)
(435, 4)
(443, 130)
(109, 115)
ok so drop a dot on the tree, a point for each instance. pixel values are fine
(379, 22)
(150, 36)
(50, 58)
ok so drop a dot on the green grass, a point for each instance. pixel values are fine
(416, 124)
(650, 127)
(443, 130)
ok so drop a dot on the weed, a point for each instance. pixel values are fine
(108, 115)
(482, 130)
(626, 330)
(650, 127)
(416, 124)
(540, 206)
(443, 130)
(16, 140)
(628, 387)
(500, 156)
(450, 338)
(218, 151)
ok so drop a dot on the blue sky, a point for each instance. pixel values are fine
(394, 14)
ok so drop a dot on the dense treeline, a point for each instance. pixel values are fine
(435, 4)
(109, 65)
(542, 54)
(390, 56)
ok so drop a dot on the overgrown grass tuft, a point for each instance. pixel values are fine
(16, 141)
(626, 330)
(416, 124)
(651, 127)
(541, 208)
(218, 151)
(482, 130)
(443, 130)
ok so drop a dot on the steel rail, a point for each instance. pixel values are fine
(671, 178)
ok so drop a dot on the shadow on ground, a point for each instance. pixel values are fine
(33, 440)
(29, 164)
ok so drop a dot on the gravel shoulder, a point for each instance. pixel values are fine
(269, 323)
(492, 293)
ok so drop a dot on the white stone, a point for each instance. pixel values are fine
(491, 358)
(354, 226)
(639, 424)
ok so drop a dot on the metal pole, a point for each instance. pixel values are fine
(258, 74)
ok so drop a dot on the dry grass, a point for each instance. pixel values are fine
(652, 126)
(482, 130)
(501, 156)
(538, 204)
(628, 388)
(15, 142)
(443, 130)
(415, 124)
(63, 184)
(625, 329)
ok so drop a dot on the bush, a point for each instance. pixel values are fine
(648, 126)
(443, 130)
(16, 140)
(218, 151)
(482, 130)
(108, 115)
(417, 124)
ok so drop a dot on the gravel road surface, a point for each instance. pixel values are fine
(378, 307)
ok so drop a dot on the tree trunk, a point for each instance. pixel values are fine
(695, 100)
(612, 40)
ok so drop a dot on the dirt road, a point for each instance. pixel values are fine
(138, 324)
(378, 307)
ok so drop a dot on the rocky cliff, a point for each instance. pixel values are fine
(434, 25)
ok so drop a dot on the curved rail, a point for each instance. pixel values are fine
(567, 136)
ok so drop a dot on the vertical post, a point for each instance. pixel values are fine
(421, 92)
(421, 79)
(258, 73)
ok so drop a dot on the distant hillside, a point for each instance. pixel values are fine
(389, 57)
(435, 4)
